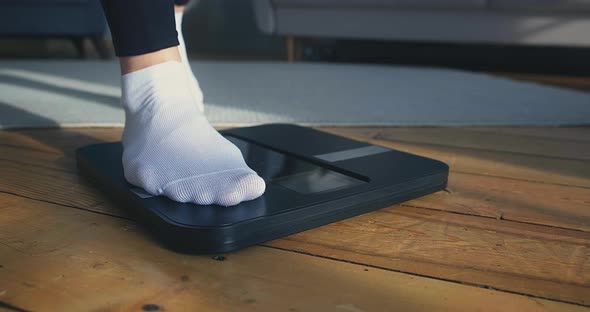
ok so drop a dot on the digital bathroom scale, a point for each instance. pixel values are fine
(313, 178)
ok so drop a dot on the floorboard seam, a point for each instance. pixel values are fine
(11, 307)
(425, 276)
(381, 138)
(534, 136)
(501, 217)
(55, 169)
(375, 137)
(66, 206)
(519, 179)
(27, 148)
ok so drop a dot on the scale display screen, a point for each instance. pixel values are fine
(290, 172)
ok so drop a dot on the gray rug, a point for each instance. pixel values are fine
(86, 93)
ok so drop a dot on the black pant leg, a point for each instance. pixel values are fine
(141, 26)
(181, 2)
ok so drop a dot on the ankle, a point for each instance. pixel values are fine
(130, 64)
(147, 87)
(179, 8)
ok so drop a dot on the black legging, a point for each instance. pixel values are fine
(141, 26)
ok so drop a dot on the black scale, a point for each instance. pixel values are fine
(313, 178)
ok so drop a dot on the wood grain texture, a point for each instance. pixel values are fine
(493, 184)
(514, 200)
(523, 258)
(576, 134)
(442, 235)
(55, 258)
(581, 83)
(493, 141)
(497, 197)
(40, 164)
(550, 170)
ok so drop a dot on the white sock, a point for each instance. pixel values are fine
(195, 88)
(170, 149)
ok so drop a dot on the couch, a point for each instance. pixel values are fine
(518, 22)
(72, 19)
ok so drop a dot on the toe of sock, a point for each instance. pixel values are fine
(190, 192)
(229, 190)
(242, 187)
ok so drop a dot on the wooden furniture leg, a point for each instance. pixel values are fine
(101, 48)
(291, 49)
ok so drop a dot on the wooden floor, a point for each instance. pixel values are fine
(511, 232)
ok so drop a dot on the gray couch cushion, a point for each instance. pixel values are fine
(389, 4)
(548, 6)
(43, 2)
(51, 17)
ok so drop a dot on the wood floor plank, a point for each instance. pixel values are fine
(576, 134)
(378, 242)
(40, 164)
(538, 260)
(482, 162)
(522, 167)
(53, 259)
(58, 140)
(581, 83)
(49, 177)
(514, 200)
(523, 258)
(491, 141)
(489, 196)
(58, 187)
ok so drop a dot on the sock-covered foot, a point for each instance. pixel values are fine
(194, 88)
(170, 149)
